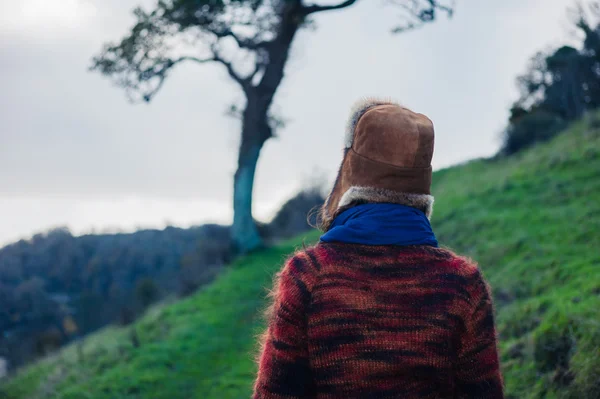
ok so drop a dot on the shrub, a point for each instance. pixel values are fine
(295, 215)
(530, 128)
(146, 292)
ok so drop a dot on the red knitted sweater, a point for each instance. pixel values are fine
(355, 321)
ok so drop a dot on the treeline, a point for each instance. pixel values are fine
(559, 86)
(56, 287)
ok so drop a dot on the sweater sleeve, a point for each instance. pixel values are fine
(478, 369)
(283, 369)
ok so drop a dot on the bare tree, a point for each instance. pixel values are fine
(251, 39)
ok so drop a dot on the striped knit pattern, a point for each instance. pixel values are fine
(355, 321)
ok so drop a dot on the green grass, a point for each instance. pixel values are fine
(531, 221)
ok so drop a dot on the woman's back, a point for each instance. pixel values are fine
(387, 322)
(358, 321)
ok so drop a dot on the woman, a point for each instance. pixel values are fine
(377, 309)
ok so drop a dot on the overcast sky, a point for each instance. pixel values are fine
(74, 152)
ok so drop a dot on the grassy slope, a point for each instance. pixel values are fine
(531, 221)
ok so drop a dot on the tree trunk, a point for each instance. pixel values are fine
(244, 231)
(255, 131)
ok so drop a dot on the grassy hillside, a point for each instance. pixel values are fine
(531, 221)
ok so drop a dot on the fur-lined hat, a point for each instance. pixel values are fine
(387, 158)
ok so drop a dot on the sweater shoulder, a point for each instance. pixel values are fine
(461, 265)
(473, 279)
(302, 265)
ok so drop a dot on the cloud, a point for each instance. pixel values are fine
(44, 15)
(69, 133)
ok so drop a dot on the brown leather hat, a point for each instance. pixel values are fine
(387, 159)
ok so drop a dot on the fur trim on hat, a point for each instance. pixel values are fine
(423, 202)
(358, 110)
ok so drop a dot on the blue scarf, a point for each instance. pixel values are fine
(381, 224)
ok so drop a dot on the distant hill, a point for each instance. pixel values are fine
(531, 220)
(56, 287)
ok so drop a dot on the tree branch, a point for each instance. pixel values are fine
(195, 59)
(420, 12)
(447, 9)
(248, 44)
(314, 8)
(161, 73)
(234, 75)
(257, 68)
